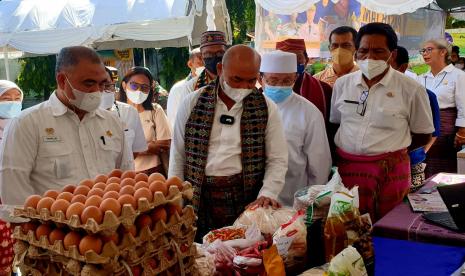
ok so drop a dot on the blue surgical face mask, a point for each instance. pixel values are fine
(10, 109)
(277, 93)
(300, 68)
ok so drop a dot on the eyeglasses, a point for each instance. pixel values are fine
(427, 50)
(362, 103)
(139, 86)
(110, 87)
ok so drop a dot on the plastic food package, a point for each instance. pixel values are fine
(291, 241)
(224, 234)
(252, 236)
(223, 254)
(204, 261)
(272, 262)
(249, 261)
(347, 263)
(268, 220)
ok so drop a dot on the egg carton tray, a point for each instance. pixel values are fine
(178, 227)
(110, 221)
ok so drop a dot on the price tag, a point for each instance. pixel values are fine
(283, 244)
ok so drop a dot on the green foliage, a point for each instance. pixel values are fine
(37, 76)
(420, 69)
(173, 66)
(452, 23)
(242, 14)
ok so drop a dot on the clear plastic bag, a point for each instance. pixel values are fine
(224, 255)
(268, 220)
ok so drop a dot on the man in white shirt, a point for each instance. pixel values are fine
(178, 91)
(212, 49)
(229, 143)
(304, 126)
(381, 113)
(65, 139)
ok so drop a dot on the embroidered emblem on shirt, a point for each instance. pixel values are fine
(445, 82)
(109, 133)
(50, 131)
(390, 95)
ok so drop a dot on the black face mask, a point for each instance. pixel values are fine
(210, 64)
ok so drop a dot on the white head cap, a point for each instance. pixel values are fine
(278, 62)
(6, 85)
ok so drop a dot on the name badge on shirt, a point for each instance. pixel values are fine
(51, 137)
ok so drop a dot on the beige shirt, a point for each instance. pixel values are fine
(329, 75)
(48, 147)
(156, 127)
(396, 107)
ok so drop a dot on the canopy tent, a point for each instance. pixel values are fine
(45, 26)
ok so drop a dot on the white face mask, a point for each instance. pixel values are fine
(85, 101)
(199, 70)
(108, 99)
(372, 68)
(236, 94)
(137, 96)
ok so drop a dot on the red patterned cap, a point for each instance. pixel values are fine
(291, 44)
(210, 38)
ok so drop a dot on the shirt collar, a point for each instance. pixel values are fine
(384, 81)
(446, 69)
(59, 109)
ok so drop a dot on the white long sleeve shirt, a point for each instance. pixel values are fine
(177, 94)
(134, 133)
(307, 143)
(48, 147)
(224, 152)
(448, 86)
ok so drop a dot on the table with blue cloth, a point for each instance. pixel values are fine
(406, 244)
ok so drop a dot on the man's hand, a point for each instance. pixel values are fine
(459, 139)
(265, 202)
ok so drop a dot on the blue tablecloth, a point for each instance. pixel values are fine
(402, 257)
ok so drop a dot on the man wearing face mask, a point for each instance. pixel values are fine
(383, 115)
(342, 47)
(317, 92)
(65, 139)
(229, 143)
(133, 132)
(309, 156)
(178, 92)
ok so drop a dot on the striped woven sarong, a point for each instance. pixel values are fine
(442, 157)
(383, 180)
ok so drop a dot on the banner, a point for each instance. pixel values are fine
(123, 60)
(457, 37)
(315, 25)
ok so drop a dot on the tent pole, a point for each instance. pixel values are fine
(143, 56)
(5, 59)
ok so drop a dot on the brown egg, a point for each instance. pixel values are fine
(71, 239)
(141, 184)
(81, 190)
(143, 193)
(158, 186)
(173, 208)
(112, 187)
(68, 188)
(87, 182)
(79, 198)
(143, 221)
(128, 174)
(158, 214)
(116, 173)
(56, 235)
(45, 203)
(141, 177)
(174, 181)
(92, 212)
(90, 243)
(128, 199)
(43, 230)
(66, 196)
(111, 194)
(96, 191)
(59, 205)
(113, 237)
(132, 230)
(156, 177)
(51, 193)
(100, 186)
(127, 182)
(113, 180)
(29, 226)
(127, 190)
(32, 201)
(101, 178)
(111, 204)
(94, 200)
(75, 209)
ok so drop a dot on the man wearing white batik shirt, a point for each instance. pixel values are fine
(304, 127)
(65, 139)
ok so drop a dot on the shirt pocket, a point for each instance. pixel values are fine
(55, 159)
(388, 118)
(129, 136)
(109, 151)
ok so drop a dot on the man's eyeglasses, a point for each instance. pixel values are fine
(427, 50)
(110, 87)
(139, 86)
(362, 103)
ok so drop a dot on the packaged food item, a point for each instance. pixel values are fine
(347, 263)
(273, 263)
(291, 241)
(224, 234)
(224, 256)
(249, 261)
(205, 262)
(268, 220)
